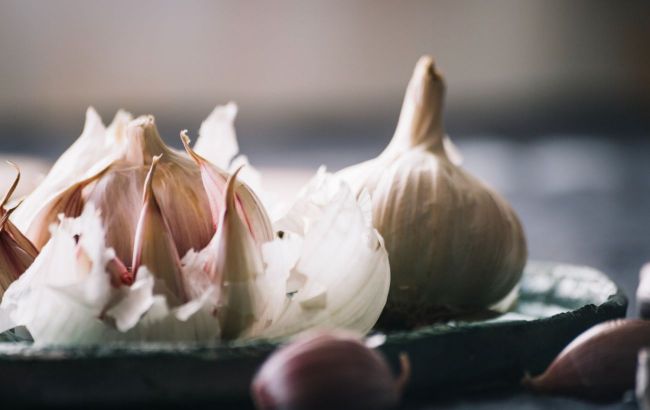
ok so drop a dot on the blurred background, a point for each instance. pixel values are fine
(549, 101)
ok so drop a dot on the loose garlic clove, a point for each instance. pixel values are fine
(454, 244)
(17, 253)
(600, 364)
(328, 370)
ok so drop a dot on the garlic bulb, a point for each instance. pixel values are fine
(141, 212)
(16, 251)
(600, 364)
(327, 371)
(454, 244)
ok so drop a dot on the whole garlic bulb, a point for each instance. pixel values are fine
(454, 244)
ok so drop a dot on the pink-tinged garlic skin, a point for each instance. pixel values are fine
(176, 184)
(154, 245)
(599, 365)
(237, 269)
(17, 253)
(326, 370)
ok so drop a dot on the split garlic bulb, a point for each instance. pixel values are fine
(454, 244)
(139, 241)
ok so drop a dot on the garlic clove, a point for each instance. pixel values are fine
(17, 253)
(238, 269)
(600, 364)
(455, 246)
(327, 370)
(14, 257)
(247, 203)
(10, 230)
(154, 245)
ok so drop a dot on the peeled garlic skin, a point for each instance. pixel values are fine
(452, 241)
(330, 370)
(599, 365)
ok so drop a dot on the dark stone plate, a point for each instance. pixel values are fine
(557, 302)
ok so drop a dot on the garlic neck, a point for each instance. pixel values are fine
(143, 141)
(420, 123)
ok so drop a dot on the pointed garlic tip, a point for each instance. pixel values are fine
(144, 141)
(13, 186)
(217, 140)
(116, 130)
(147, 193)
(93, 125)
(421, 122)
(186, 144)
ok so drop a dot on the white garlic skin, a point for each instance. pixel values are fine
(454, 244)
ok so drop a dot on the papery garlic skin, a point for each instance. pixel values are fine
(97, 147)
(328, 268)
(66, 296)
(454, 244)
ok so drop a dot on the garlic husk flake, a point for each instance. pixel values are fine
(94, 150)
(328, 269)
